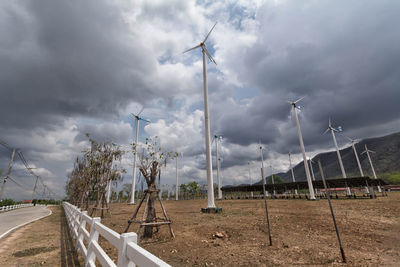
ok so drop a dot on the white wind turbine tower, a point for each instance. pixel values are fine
(217, 138)
(333, 130)
(307, 170)
(310, 161)
(251, 182)
(357, 159)
(272, 178)
(291, 170)
(210, 180)
(372, 166)
(135, 155)
(262, 168)
(176, 173)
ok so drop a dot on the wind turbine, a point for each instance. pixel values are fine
(310, 161)
(372, 166)
(307, 170)
(262, 169)
(291, 170)
(210, 181)
(135, 155)
(272, 179)
(358, 160)
(355, 154)
(333, 130)
(217, 138)
(176, 173)
(251, 183)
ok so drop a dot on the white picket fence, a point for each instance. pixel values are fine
(13, 207)
(129, 252)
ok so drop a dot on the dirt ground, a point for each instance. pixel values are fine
(302, 232)
(45, 242)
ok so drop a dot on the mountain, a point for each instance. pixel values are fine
(386, 159)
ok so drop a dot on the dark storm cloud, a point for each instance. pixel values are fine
(67, 58)
(343, 56)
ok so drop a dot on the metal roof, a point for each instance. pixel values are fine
(331, 183)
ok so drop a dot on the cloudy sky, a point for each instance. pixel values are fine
(73, 67)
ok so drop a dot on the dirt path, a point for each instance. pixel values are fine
(302, 232)
(45, 242)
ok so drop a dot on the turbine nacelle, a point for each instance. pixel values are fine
(203, 46)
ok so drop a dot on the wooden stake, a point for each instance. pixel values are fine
(332, 213)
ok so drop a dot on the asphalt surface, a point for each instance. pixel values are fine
(11, 220)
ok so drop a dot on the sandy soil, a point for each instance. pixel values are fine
(302, 232)
(45, 242)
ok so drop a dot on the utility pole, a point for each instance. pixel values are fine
(7, 174)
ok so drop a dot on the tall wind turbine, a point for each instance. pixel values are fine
(333, 130)
(135, 155)
(217, 138)
(355, 154)
(307, 170)
(310, 161)
(210, 180)
(358, 160)
(291, 170)
(372, 166)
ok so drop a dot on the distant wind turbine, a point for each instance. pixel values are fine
(210, 180)
(333, 130)
(135, 154)
(357, 159)
(291, 170)
(307, 170)
(251, 182)
(262, 169)
(367, 151)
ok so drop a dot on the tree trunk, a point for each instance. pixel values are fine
(151, 214)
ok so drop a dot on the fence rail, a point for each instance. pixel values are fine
(129, 252)
(13, 207)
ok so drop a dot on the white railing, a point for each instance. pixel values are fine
(13, 207)
(129, 252)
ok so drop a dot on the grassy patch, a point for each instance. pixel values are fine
(33, 251)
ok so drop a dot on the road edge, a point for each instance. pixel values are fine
(25, 223)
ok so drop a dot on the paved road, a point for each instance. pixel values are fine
(11, 220)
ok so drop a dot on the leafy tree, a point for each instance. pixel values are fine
(193, 188)
(7, 202)
(277, 179)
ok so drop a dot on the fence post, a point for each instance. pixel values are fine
(94, 237)
(123, 259)
(81, 226)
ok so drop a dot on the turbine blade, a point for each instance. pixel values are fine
(363, 152)
(330, 122)
(299, 99)
(351, 140)
(141, 110)
(205, 39)
(209, 56)
(197, 46)
(326, 131)
(371, 151)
